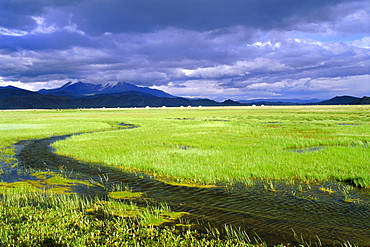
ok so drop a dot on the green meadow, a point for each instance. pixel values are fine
(199, 146)
(227, 145)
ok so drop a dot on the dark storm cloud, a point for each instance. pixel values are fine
(17, 14)
(58, 40)
(117, 16)
(201, 48)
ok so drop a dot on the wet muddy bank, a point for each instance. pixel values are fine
(271, 212)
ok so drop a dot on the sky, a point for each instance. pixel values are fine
(216, 49)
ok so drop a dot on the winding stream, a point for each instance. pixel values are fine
(272, 214)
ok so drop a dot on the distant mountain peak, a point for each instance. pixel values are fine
(81, 89)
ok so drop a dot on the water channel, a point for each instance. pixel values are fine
(271, 212)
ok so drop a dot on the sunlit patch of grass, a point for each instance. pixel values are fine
(327, 190)
(186, 184)
(6, 188)
(60, 190)
(39, 185)
(57, 180)
(124, 194)
(44, 174)
(51, 182)
(356, 200)
(54, 182)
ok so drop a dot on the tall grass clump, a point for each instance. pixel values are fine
(39, 219)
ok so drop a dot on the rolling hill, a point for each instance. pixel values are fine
(340, 100)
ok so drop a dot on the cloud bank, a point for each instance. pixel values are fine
(238, 49)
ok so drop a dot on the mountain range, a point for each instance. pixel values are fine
(80, 89)
(121, 94)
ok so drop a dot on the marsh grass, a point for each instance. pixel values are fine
(247, 144)
(23, 125)
(42, 219)
(194, 146)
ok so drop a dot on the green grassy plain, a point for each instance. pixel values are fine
(196, 146)
(211, 145)
(232, 144)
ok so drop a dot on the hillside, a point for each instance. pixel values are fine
(15, 98)
(340, 100)
(11, 92)
(36, 101)
(87, 95)
(363, 101)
